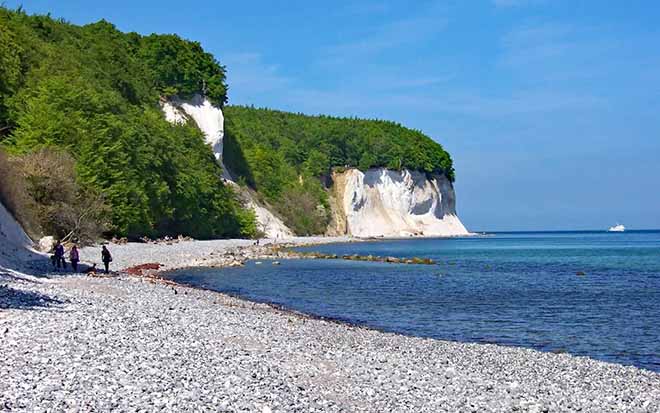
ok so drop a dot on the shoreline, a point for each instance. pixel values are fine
(132, 342)
(195, 253)
(352, 324)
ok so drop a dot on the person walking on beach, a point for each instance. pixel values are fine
(59, 255)
(106, 258)
(74, 257)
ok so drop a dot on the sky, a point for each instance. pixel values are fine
(549, 108)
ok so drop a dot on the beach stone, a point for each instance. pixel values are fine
(127, 343)
(46, 244)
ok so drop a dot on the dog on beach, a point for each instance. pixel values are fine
(91, 270)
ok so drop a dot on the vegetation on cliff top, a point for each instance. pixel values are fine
(314, 144)
(89, 95)
(283, 155)
(93, 91)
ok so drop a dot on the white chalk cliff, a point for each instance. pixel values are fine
(210, 121)
(388, 203)
(16, 248)
(378, 202)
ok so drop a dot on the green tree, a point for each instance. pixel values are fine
(316, 164)
(282, 155)
(93, 91)
(10, 71)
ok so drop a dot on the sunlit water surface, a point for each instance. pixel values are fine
(518, 289)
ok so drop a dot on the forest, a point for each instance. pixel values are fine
(86, 150)
(91, 93)
(289, 158)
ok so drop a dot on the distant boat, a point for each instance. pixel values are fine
(617, 228)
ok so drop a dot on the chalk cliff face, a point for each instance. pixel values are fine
(210, 121)
(16, 248)
(378, 202)
(382, 202)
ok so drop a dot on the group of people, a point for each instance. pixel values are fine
(58, 260)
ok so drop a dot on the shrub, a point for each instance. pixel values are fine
(92, 92)
(64, 208)
(14, 195)
(302, 211)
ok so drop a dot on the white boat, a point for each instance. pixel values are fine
(617, 228)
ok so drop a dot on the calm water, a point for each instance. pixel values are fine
(518, 289)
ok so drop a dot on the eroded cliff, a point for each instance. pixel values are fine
(377, 203)
(388, 203)
(210, 120)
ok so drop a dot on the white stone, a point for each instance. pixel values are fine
(46, 243)
(11, 231)
(209, 120)
(172, 114)
(268, 223)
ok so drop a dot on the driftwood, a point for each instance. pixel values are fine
(141, 269)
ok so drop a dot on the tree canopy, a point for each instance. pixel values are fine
(283, 155)
(314, 144)
(93, 91)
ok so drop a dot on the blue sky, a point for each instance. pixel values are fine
(550, 108)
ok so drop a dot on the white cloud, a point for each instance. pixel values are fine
(541, 44)
(456, 102)
(576, 56)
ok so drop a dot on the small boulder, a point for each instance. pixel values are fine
(47, 243)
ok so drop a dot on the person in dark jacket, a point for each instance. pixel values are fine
(74, 258)
(59, 255)
(106, 258)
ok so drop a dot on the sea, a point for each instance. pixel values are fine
(587, 293)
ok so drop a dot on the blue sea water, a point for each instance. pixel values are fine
(517, 289)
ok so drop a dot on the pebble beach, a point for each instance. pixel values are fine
(125, 343)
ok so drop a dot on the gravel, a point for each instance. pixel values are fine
(186, 253)
(123, 343)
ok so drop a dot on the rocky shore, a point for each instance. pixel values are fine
(189, 253)
(124, 343)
